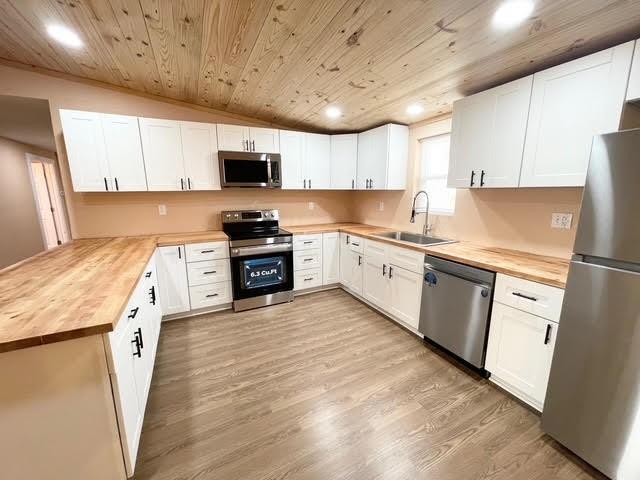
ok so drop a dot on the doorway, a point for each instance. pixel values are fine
(48, 195)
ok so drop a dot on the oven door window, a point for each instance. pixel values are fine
(262, 272)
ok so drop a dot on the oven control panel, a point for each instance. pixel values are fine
(235, 216)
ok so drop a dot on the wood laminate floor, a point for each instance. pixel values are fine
(326, 388)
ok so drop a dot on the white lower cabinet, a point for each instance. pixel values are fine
(376, 284)
(203, 296)
(351, 263)
(307, 261)
(406, 293)
(330, 258)
(172, 280)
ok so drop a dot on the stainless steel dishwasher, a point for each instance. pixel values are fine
(455, 308)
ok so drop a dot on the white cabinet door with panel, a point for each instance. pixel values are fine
(234, 138)
(264, 140)
(382, 158)
(200, 152)
(519, 352)
(124, 153)
(344, 161)
(375, 287)
(330, 258)
(633, 90)
(292, 152)
(86, 151)
(405, 295)
(317, 161)
(162, 148)
(487, 136)
(172, 280)
(570, 103)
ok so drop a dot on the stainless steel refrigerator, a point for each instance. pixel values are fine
(593, 398)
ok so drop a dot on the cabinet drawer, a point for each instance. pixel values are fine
(209, 295)
(307, 259)
(207, 272)
(406, 258)
(356, 243)
(307, 279)
(532, 297)
(375, 249)
(197, 252)
(307, 242)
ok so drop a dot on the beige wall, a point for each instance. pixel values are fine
(21, 235)
(510, 218)
(100, 214)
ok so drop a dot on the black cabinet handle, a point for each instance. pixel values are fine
(384, 269)
(209, 272)
(253, 145)
(347, 239)
(137, 340)
(133, 313)
(182, 184)
(371, 183)
(309, 183)
(148, 274)
(212, 295)
(207, 251)
(106, 186)
(473, 174)
(547, 335)
(308, 242)
(390, 271)
(189, 183)
(139, 332)
(522, 295)
(305, 183)
(353, 183)
(359, 260)
(482, 178)
(179, 253)
(152, 293)
(116, 179)
(308, 279)
(307, 259)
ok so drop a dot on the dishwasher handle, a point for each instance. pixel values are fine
(430, 268)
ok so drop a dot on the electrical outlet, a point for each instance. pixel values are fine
(561, 220)
(381, 207)
(312, 205)
(162, 209)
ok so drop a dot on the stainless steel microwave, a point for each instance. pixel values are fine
(250, 169)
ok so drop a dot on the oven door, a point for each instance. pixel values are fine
(261, 270)
(249, 169)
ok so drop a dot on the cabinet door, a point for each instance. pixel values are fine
(264, 140)
(292, 150)
(200, 152)
(397, 157)
(373, 151)
(345, 260)
(344, 160)
(162, 148)
(143, 358)
(234, 138)
(356, 271)
(405, 295)
(172, 280)
(517, 353)
(375, 281)
(86, 152)
(124, 152)
(317, 161)
(330, 258)
(570, 104)
(633, 90)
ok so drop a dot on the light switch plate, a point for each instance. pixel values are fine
(162, 209)
(561, 220)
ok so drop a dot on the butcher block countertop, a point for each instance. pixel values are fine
(76, 290)
(81, 288)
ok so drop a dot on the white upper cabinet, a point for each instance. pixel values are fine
(200, 152)
(124, 153)
(86, 152)
(344, 161)
(292, 151)
(382, 158)
(264, 140)
(162, 148)
(570, 104)
(239, 138)
(233, 138)
(317, 163)
(487, 137)
(633, 90)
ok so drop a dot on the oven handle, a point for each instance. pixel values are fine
(257, 250)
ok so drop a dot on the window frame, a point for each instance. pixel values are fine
(423, 179)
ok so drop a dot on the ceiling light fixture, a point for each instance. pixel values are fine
(333, 112)
(65, 36)
(512, 13)
(415, 109)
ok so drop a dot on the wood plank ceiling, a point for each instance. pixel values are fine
(284, 61)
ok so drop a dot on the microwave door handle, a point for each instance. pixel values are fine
(269, 178)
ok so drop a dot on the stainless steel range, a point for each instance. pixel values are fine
(261, 256)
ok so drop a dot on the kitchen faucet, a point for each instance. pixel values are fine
(426, 227)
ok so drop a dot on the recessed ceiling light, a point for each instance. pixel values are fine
(415, 109)
(511, 13)
(333, 112)
(65, 36)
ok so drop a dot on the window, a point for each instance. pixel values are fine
(434, 166)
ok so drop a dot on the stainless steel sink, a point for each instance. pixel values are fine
(416, 238)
